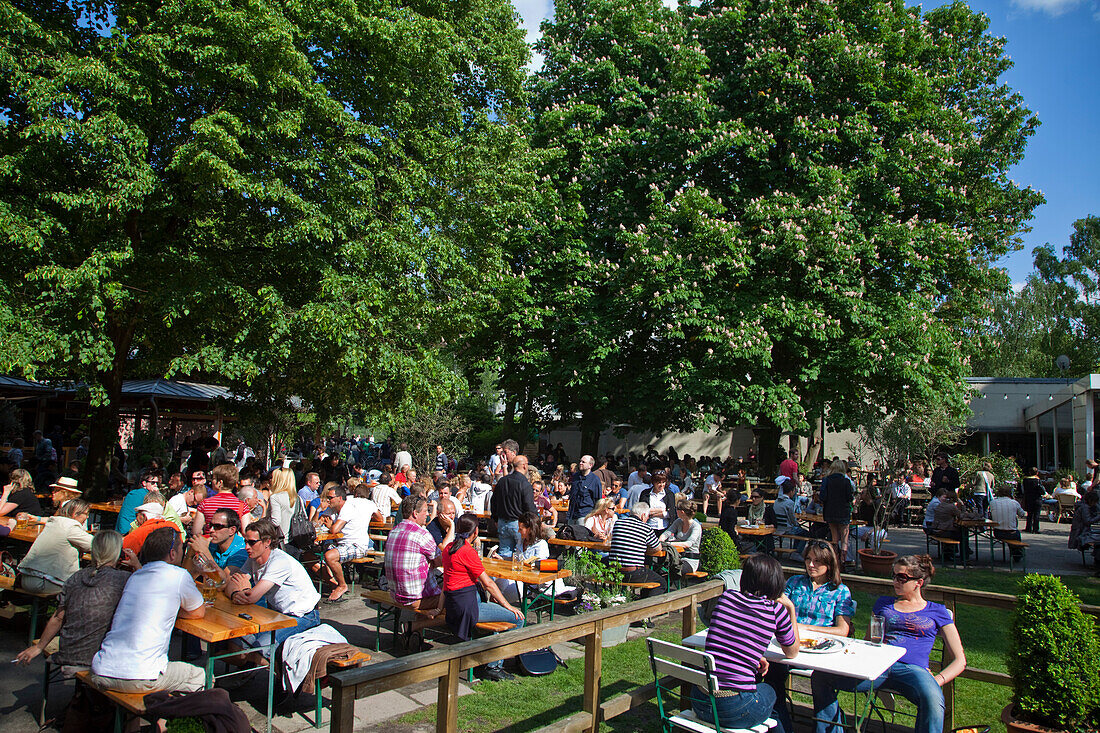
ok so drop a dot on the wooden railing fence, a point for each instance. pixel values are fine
(447, 663)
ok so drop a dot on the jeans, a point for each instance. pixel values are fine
(742, 710)
(1010, 534)
(508, 532)
(916, 684)
(306, 622)
(776, 678)
(798, 545)
(495, 612)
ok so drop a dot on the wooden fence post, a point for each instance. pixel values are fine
(687, 628)
(446, 711)
(343, 710)
(593, 664)
(948, 688)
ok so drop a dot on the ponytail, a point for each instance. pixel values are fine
(921, 564)
(465, 526)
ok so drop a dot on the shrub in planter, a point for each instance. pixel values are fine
(1054, 657)
(717, 552)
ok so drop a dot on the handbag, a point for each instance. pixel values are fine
(301, 533)
(540, 662)
(8, 565)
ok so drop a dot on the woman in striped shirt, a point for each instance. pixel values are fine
(741, 626)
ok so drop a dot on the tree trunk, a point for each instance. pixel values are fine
(103, 426)
(508, 423)
(767, 455)
(591, 427)
(816, 442)
(103, 435)
(527, 421)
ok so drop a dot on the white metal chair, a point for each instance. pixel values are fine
(1066, 505)
(695, 668)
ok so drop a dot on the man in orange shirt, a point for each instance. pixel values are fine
(150, 517)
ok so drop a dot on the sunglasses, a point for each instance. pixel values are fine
(903, 578)
(252, 542)
(215, 525)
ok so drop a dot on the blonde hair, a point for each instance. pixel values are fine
(106, 549)
(601, 506)
(22, 479)
(282, 482)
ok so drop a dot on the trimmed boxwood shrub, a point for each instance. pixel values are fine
(717, 552)
(1054, 658)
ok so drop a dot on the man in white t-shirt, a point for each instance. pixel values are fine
(384, 496)
(713, 487)
(185, 503)
(275, 576)
(403, 458)
(353, 517)
(134, 654)
(641, 476)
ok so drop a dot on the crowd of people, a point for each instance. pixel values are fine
(248, 530)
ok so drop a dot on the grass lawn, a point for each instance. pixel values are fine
(529, 703)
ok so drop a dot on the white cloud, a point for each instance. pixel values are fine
(1017, 287)
(1050, 7)
(533, 12)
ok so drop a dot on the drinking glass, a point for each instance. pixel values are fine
(516, 564)
(878, 629)
(209, 591)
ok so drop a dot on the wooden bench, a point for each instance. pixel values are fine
(389, 608)
(37, 598)
(941, 542)
(355, 660)
(1007, 546)
(130, 702)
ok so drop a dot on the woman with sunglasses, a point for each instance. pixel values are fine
(913, 623)
(822, 603)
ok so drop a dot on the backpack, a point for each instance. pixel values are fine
(577, 532)
(301, 533)
(540, 662)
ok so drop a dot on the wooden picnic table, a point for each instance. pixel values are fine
(497, 567)
(223, 622)
(978, 526)
(598, 546)
(107, 507)
(29, 533)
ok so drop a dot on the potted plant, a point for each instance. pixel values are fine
(1054, 660)
(717, 552)
(875, 560)
(598, 586)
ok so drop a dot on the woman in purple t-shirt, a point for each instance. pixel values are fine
(742, 624)
(912, 623)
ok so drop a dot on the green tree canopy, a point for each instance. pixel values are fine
(754, 209)
(292, 198)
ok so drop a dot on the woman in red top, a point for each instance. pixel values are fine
(462, 573)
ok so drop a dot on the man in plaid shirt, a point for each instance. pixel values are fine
(411, 553)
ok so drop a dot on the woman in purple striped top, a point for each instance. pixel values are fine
(741, 626)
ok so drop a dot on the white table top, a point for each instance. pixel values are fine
(860, 659)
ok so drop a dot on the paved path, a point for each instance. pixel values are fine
(1047, 552)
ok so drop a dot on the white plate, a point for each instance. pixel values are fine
(828, 645)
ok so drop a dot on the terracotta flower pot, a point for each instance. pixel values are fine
(1014, 725)
(881, 564)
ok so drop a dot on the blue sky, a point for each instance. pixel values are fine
(1055, 45)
